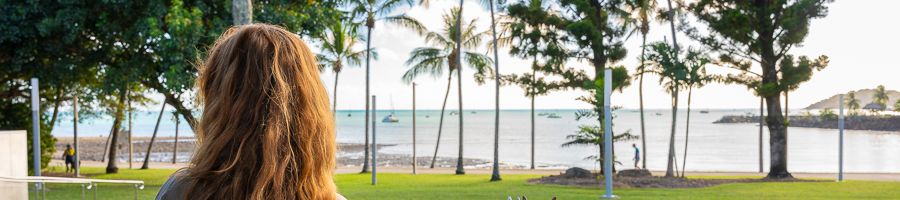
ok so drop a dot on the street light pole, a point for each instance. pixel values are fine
(607, 134)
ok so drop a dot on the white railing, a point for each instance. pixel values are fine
(86, 184)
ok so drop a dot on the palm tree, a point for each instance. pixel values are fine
(897, 106)
(672, 74)
(371, 11)
(644, 9)
(459, 31)
(696, 78)
(444, 56)
(852, 102)
(495, 172)
(337, 52)
(880, 97)
(671, 159)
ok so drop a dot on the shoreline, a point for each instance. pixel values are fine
(348, 154)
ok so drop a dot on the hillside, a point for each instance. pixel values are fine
(864, 96)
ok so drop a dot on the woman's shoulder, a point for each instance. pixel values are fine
(174, 188)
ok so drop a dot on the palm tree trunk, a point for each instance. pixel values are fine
(670, 165)
(669, 172)
(641, 102)
(334, 105)
(533, 71)
(111, 166)
(441, 121)
(687, 128)
(366, 123)
(495, 173)
(146, 164)
(459, 160)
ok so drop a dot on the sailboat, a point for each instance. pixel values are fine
(390, 118)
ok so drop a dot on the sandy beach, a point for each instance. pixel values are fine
(349, 155)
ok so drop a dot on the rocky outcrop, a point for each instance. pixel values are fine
(874, 123)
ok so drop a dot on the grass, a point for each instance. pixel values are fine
(446, 186)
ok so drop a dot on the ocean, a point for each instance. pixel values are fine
(712, 147)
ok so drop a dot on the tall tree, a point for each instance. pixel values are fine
(459, 29)
(695, 64)
(524, 38)
(495, 172)
(672, 74)
(45, 40)
(852, 102)
(337, 51)
(371, 11)
(742, 32)
(644, 9)
(586, 31)
(442, 57)
(880, 96)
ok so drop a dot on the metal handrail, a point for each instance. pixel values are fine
(92, 183)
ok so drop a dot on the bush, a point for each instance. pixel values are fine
(827, 114)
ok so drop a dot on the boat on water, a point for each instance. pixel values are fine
(453, 113)
(658, 114)
(390, 119)
(543, 114)
(704, 111)
(553, 116)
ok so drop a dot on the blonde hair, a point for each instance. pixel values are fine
(266, 131)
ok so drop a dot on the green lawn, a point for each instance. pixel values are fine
(440, 186)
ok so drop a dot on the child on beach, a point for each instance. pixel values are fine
(267, 130)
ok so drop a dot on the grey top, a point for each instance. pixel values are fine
(173, 189)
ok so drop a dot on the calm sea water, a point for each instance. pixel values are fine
(712, 147)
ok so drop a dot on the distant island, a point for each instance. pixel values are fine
(866, 116)
(864, 96)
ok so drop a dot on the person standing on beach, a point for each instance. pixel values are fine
(69, 157)
(267, 130)
(637, 155)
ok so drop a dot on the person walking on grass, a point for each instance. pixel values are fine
(637, 155)
(69, 157)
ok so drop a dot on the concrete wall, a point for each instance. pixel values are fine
(13, 163)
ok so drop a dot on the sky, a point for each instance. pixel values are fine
(862, 61)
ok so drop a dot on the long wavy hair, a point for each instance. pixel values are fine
(266, 130)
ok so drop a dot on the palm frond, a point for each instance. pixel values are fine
(407, 22)
(481, 64)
